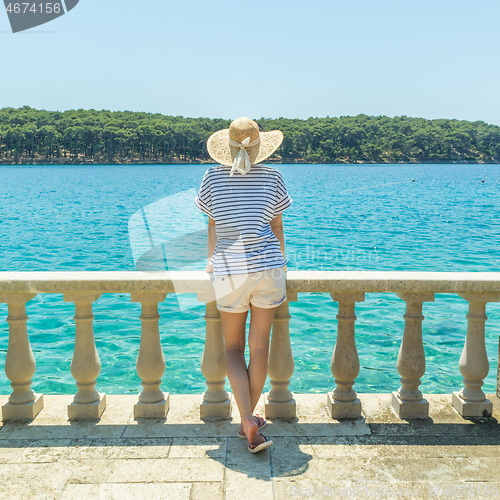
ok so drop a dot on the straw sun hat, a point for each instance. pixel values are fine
(242, 145)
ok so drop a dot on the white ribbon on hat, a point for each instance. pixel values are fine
(242, 162)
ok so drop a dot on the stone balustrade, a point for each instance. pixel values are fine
(150, 288)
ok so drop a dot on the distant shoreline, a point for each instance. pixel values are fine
(33, 136)
(271, 162)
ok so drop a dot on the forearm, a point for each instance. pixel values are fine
(280, 236)
(212, 241)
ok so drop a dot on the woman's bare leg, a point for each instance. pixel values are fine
(233, 329)
(261, 320)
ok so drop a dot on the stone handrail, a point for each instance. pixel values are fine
(150, 288)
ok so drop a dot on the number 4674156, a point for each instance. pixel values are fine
(27, 7)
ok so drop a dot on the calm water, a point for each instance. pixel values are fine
(343, 217)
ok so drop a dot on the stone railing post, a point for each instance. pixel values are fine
(280, 402)
(498, 370)
(471, 401)
(343, 401)
(408, 401)
(20, 364)
(153, 403)
(85, 365)
(216, 402)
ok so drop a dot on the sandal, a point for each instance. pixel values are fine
(262, 446)
(258, 419)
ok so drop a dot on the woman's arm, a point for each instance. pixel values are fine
(212, 241)
(277, 228)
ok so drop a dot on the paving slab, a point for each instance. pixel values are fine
(340, 488)
(11, 450)
(239, 459)
(87, 449)
(128, 491)
(238, 485)
(384, 446)
(215, 448)
(43, 451)
(44, 480)
(207, 491)
(87, 471)
(165, 470)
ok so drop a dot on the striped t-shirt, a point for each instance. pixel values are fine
(242, 207)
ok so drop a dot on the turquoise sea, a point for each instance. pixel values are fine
(343, 217)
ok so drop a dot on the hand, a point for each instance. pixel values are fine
(210, 268)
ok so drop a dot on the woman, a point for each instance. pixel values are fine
(246, 251)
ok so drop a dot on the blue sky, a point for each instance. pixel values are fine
(428, 58)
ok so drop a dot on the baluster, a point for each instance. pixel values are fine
(85, 365)
(153, 403)
(216, 402)
(20, 364)
(280, 402)
(471, 401)
(498, 370)
(343, 401)
(408, 401)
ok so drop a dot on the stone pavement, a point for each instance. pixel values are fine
(376, 456)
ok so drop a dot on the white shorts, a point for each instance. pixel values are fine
(235, 292)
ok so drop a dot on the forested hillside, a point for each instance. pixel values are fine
(30, 135)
